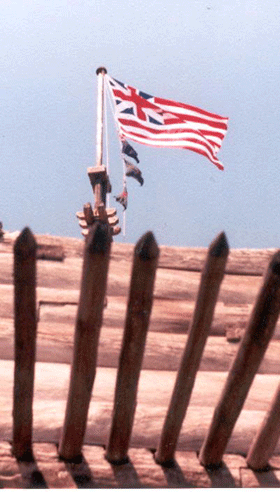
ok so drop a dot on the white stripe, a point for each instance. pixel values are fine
(187, 112)
(170, 135)
(171, 126)
(170, 129)
(172, 143)
(167, 140)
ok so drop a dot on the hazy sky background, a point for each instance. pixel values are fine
(222, 56)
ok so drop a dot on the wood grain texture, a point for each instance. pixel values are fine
(25, 322)
(154, 391)
(241, 261)
(168, 315)
(250, 353)
(211, 279)
(163, 351)
(131, 356)
(266, 439)
(87, 330)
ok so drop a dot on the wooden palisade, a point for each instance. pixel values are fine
(131, 356)
(211, 279)
(251, 351)
(25, 342)
(87, 330)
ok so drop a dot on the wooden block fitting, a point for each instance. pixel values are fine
(97, 174)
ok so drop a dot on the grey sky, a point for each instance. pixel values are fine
(222, 56)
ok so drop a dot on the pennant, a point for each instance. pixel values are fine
(128, 150)
(134, 172)
(122, 198)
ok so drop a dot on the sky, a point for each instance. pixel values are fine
(222, 56)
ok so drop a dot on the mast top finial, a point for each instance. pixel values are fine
(101, 70)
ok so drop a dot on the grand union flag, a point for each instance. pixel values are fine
(164, 123)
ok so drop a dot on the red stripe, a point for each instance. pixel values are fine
(210, 133)
(181, 117)
(170, 133)
(199, 151)
(136, 124)
(190, 118)
(218, 164)
(188, 107)
(201, 137)
(194, 141)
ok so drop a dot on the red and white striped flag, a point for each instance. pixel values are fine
(163, 123)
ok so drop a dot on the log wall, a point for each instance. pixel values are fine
(59, 268)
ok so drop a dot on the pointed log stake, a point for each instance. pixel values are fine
(267, 437)
(88, 213)
(136, 326)
(25, 342)
(87, 330)
(249, 356)
(211, 279)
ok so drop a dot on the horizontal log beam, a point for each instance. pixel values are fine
(163, 350)
(240, 262)
(171, 284)
(51, 387)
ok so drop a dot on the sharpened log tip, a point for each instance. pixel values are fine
(146, 248)
(25, 244)
(219, 246)
(99, 238)
(275, 263)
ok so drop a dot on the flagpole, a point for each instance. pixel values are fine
(100, 72)
(98, 174)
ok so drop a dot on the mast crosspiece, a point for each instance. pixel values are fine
(97, 174)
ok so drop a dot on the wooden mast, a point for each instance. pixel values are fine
(98, 174)
(100, 72)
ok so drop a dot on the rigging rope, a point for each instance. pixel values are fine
(109, 95)
(107, 150)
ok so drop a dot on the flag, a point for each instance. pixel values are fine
(122, 198)
(128, 150)
(132, 170)
(164, 123)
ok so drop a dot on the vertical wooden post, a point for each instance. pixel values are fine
(100, 186)
(267, 437)
(136, 326)
(87, 330)
(88, 213)
(25, 342)
(211, 279)
(251, 351)
(100, 72)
